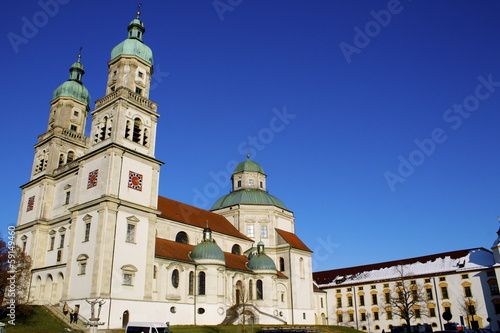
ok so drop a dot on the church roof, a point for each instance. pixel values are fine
(181, 212)
(293, 240)
(435, 264)
(248, 196)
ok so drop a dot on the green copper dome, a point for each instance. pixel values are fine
(248, 196)
(248, 166)
(207, 249)
(261, 261)
(134, 45)
(74, 87)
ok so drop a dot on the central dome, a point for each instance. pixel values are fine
(248, 196)
(248, 166)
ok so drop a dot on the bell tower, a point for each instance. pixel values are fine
(64, 139)
(125, 115)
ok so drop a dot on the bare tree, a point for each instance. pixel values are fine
(407, 300)
(468, 307)
(15, 272)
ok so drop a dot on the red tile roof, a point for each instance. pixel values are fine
(293, 240)
(181, 212)
(168, 249)
(325, 277)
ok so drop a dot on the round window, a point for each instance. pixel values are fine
(201, 310)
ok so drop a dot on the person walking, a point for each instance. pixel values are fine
(71, 317)
(65, 308)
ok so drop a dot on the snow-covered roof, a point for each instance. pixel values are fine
(455, 261)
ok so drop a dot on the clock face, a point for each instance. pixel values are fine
(135, 180)
(92, 180)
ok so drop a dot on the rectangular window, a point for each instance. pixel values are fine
(261, 185)
(303, 315)
(444, 292)
(417, 313)
(413, 282)
(430, 297)
(494, 289)
(467, 291)
(360, 288)
(374, 299)
(87, 232)
(75, 113)
(472, 310)
(363, 316)
(68, 194)
(349, 289)
(127, 279)
(386, 285)
(427, 280)
(447, 309)
(140, 74)
(349, 300)
(339, 318)
(61, 243)
(351, 316)
(339, 291)
(387, 297)
(239, 183)
(339, 302)
(83, 268)
(73, 128)
(321, 299)
(250, 182)
(465, 276)
(138, 90)
(442, 278)
(263, 231)
(250, 230)
(52, 242)
(432, 312)
(130, 233)
(389, 315)
(414, 295)
(375, 315)
(361, 300)
(373, 287)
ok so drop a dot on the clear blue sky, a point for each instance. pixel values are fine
(361, 88)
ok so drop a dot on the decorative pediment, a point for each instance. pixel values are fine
(62, 229)
(132, 219)
(67, 187)
(52, 232)
(24, 238)
(129, 268)
(82, 257)
(87, 218)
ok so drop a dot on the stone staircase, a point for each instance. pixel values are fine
(56, 310)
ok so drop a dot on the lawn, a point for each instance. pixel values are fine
(38, 319)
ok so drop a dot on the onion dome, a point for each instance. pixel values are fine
(74, 87)
(134, 45)
(261, 261)
(207, 251)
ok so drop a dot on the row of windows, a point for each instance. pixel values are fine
(389, 314)
(251, 231)
(251, 183)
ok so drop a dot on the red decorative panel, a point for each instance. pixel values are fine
(92, 180)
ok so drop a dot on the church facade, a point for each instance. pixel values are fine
(96, 228)
(93, 221)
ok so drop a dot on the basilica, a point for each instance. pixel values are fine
(95, 226)
(92, 220)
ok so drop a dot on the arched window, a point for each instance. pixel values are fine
(260, 291)
(71, 156)
(155, 272)
(182, 238)
(282, 264)
(250, 289)
(236, 249)
(127, 130)
(136, 135)
(102, 129)
(145, 137)
(61, 160)
(301, 268)
(191, 283)
(201, 283)
(175, 278)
